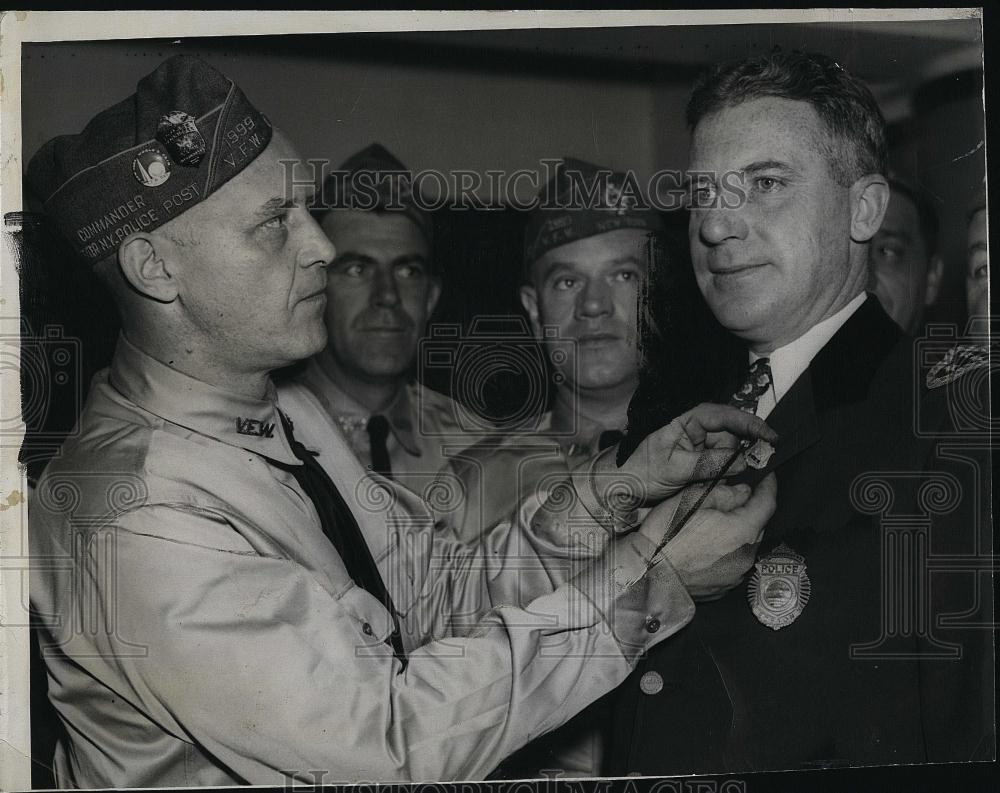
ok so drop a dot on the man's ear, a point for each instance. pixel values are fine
(146, 271)
(935, 272)
(869, 199)
(529, 299)
(433, 294)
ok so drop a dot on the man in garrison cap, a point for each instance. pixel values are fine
(587, 249)
(212, 610)
(382, 288)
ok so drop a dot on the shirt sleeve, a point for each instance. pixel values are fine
(250, 657)
(551, 538)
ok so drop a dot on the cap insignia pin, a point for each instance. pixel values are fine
(178, 131)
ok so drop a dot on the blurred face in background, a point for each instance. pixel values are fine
(589, 290)
(977, 273)
(905, 273)
(380, 293)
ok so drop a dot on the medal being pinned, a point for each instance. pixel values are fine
(779, 589)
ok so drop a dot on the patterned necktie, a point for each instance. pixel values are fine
(378, 432)
(755, 385)
(342, 530)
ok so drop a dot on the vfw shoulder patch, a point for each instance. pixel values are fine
(779, 589)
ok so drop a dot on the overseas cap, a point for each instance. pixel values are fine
(373, 179)
(583, 200)
(185, 132)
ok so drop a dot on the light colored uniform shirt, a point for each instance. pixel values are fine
(501, 472)
(489, 481)
(425, 427)
(200, 629)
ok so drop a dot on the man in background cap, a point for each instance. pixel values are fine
(586, 256)
(587, 249)
(383, 286)
(906, 268)
(212, 613)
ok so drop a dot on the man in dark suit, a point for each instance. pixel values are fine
(830, 653)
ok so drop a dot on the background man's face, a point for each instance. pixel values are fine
(977, 274)
(380, 292)
(773, 267)
(905, 274)
(253, 268)
(589, 290)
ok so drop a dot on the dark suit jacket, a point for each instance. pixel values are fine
(739, 696)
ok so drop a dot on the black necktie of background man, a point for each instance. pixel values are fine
(378, 433)
(341, 528)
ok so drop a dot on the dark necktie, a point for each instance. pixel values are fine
(755, 385)
(378, 432)
(609, 438)
(341, 528)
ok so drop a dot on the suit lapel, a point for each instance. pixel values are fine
(794, 419)
(840, 374)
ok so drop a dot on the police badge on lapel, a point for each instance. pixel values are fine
(779, 589)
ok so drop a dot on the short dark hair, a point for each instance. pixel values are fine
(926, 214)
(845, 104)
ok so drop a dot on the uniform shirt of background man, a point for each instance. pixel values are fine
(587, 248)
(383, 287)
(231, 642)
(906, 268)
(783, 266)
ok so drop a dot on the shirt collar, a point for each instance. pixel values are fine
(340, 404)
(234, 419)
(789, 362)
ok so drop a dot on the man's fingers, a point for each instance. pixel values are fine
(726, 498)
(759, 508)
(707, 417)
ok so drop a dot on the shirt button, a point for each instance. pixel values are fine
(651, 683)
(367, 630)
(652, 624)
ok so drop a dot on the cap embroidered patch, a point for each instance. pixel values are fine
(151, 168)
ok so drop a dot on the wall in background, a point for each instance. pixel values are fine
(430, 117)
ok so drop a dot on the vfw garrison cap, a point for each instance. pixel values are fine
(583, 200)
(374, 179)
(184, 133)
